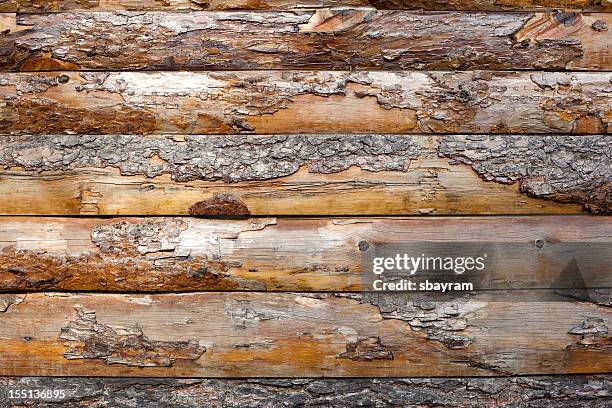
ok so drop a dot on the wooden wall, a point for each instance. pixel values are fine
(187, 187)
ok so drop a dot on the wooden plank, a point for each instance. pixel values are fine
(272, 102)
(319, 254)
(37, 6)
(305, 175)
(301, 335)
(578, 391)
(322, 39)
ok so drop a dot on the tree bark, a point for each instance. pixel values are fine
(302, 335)
(317, 254)
(305, 174)
(323, 39)
(36, 6)
(564, 392)
(267, 102)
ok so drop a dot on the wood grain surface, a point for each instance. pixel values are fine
(260, 154)
(279, 254)
(339, 174)
(36, 6)
(301, 335)
(305, 102)
(322, 39)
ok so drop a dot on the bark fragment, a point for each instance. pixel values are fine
(600, 25)
(85, 338)
(220, 204)
(367, 349)
(593, 334)
(570, 169)
(442, 320)
(6, 301)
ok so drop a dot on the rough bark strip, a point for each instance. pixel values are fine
(323, 39)
(268, 102)
(36, 6)
(575, 169)
(187, 254)
(303, 335)
(571, 391)
(563, 169)
(231, 159)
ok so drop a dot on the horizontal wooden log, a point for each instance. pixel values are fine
(301, 335)
(272, 102)
(323, 39)
(570, 391)
(305, 175)
(36, 6)
(187, 254)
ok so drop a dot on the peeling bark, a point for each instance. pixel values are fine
(231, 159)
(139, 255)
(594, 334)
(6, 301)
(35, 6)
(443, 320)
(190, 254)
(367, 349)
(568, 169)
(85, 338)
(300, 102)
(562, 169)
(322, 39)
(294, 335)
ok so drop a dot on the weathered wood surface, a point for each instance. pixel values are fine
(254, 334)
(323, 39)
(572, 391)
(305, 102)
(323, 254)
(305, 174)
(36, 6)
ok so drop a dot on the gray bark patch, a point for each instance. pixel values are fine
(232, 159)
(574, 169)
